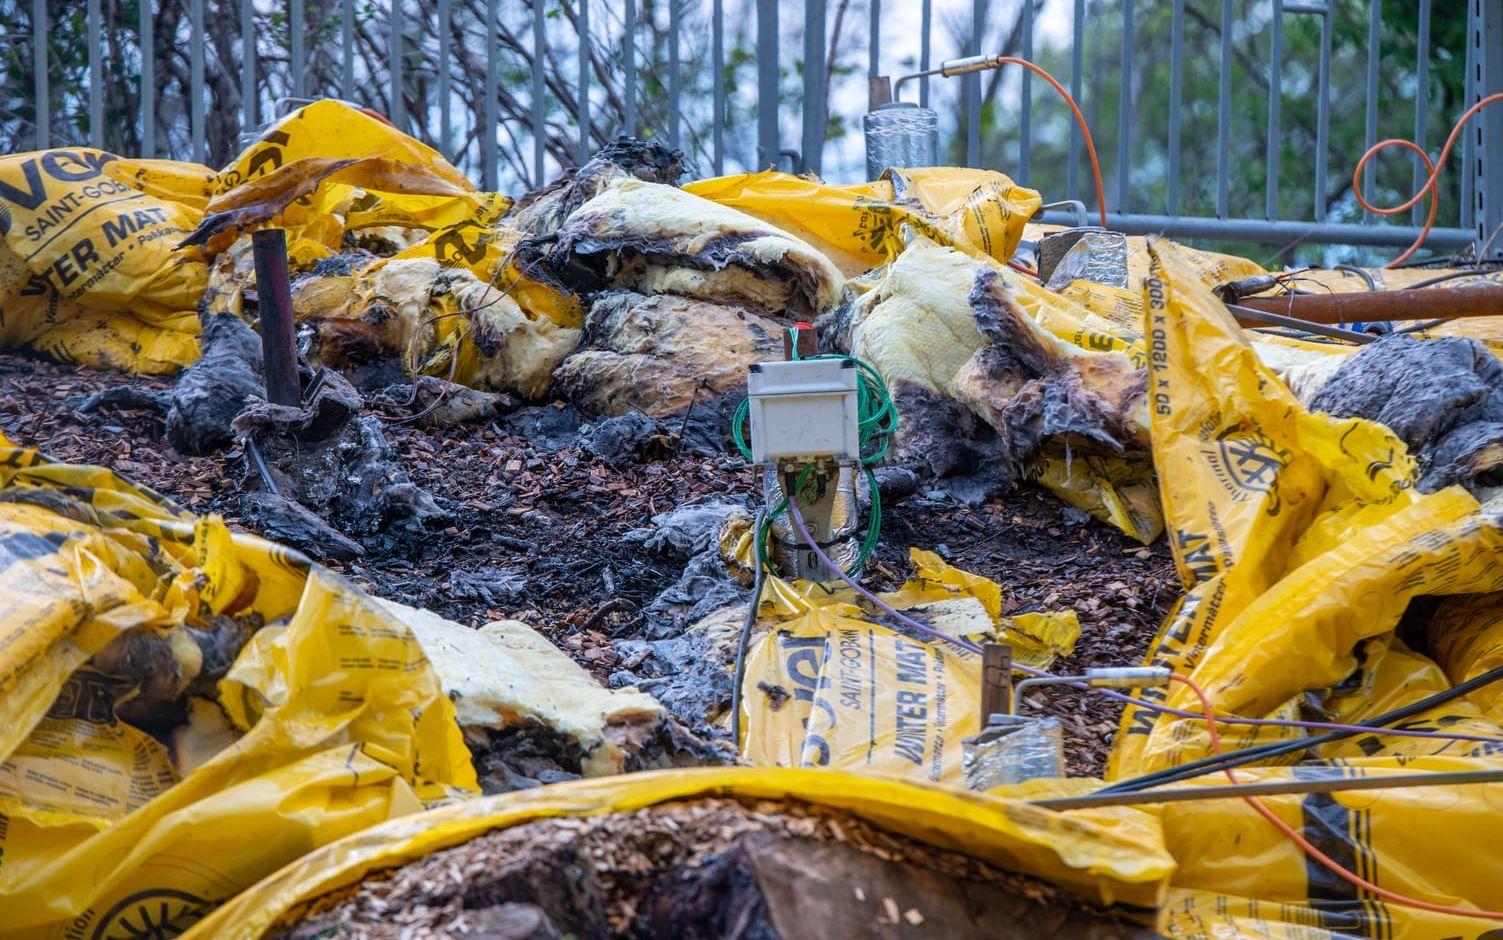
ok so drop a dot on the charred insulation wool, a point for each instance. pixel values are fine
(658, 239)
(1442, 397)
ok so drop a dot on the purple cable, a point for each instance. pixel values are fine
(798, 523)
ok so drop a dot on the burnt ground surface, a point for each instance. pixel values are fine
(699, 869)
(538, 530)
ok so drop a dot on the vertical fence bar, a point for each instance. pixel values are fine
(1224, 111)
(297, 61)
(96, 78)
(39, 28)
(489, 160)
(445, 52)
(584, 82)
(539, 104)
(926, 22)
(394, 66)
(1176, 96)
(812, 146)
(248, 118)
(196, 78)
(873, 36)
(1470, 137)
(1124, 111)
(1275, 101)
(1488, 188)
(972, 88)
(1323, 116)
(149, 78)
(629, 57)
(675, 77)
(767, 83)
(1370, 125)
(1025, 93)
(717, 61)
(1077, 77)
(347, 50)
(1421, 102)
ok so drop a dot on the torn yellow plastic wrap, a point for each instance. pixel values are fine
(1301, 539)
(1097, 859)
(329, 720)
(1296, 534)
(329, 168)
(861, 226)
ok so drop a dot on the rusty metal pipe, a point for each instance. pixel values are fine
(274, 305)
(1367, 306)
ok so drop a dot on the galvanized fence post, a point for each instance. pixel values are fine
(1488, 166)
(39, 28)
(148, 79)
(812, 145)
(96, 78)
(767, 84)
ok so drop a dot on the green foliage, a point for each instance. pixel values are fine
(1247, 148)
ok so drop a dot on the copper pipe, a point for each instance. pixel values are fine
(1367, 306)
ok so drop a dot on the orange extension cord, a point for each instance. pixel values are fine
(1268, 814)
(1085, 131)
(1428, 188)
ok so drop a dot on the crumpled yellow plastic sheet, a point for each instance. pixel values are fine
(861, 226)
(1301, 539)
(1296, 534)
(103, 259)
(1106, 859)
(330, 159)
(335, 720)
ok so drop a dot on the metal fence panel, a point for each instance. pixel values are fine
(650, 79)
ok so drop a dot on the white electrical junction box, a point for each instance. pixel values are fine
(804, 410)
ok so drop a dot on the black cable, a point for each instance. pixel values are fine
(1427, 325)
(1249, 754)
(1426, 261)
(1448, 276)
(751, 618)
(1372, 286)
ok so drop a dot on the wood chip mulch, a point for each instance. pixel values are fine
(556, 519)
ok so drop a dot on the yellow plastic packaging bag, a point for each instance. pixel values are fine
(829, 689)
(861, 226)
(1120, 491)
(328, 159)
(1096, 858)
(1238, 876)
(88, 270)
(333, 719)
(1298, 534)
(1466, 636)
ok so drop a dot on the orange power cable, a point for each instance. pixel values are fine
(1331, 864)
(1085, 129)
(1428, 188)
